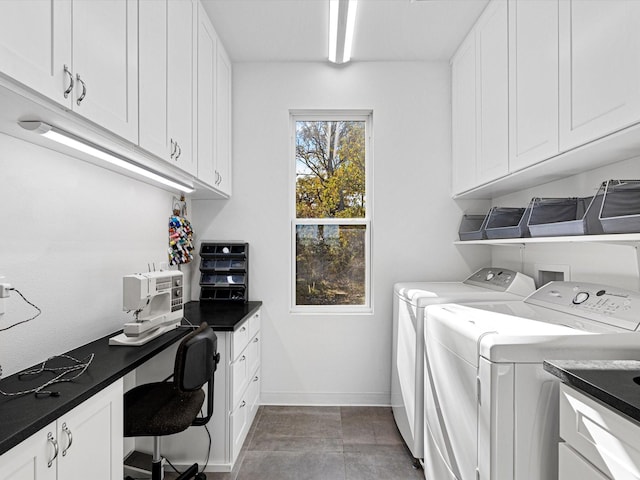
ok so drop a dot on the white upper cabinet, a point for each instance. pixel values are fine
(206, 143)
(81, 54)
(181, 82)
(492, 92)
(533, 82)
(463, 93)
(35, 46)
(480, 116)
(223, 117)
(599, 68)
(105, 64)
(214, 109)
(152, 65)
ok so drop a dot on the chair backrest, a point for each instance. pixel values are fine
(196, 359)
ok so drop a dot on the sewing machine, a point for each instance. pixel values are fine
(155, 298)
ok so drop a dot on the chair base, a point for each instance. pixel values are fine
(138, 463)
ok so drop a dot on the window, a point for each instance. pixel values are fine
(331, 227)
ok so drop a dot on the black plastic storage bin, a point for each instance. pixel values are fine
(507, 222)
(224, 271)
(554, 217)
(472, 227)
(620, 212)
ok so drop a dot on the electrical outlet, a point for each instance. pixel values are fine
(4, 293)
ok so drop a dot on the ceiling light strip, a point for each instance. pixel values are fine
(342, 20)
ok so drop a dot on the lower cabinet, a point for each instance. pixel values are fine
(85, 442)
(598, 443)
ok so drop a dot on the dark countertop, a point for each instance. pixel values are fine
(610, 381)
(221, 316)
(24, 415)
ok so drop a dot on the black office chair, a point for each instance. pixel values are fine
(168, 407)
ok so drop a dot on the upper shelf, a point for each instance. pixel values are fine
(621, 238)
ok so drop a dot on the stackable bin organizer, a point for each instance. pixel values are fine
(507, 222)
(620, 212)
(553, 217)
(224, 271)
(472, 227)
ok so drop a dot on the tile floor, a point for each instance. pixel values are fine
(322, 443)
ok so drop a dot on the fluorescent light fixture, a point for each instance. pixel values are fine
(80, 144)
(342, 22)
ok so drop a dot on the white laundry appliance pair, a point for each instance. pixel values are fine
(491, 411)
(409, 303)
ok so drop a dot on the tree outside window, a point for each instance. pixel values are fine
(331, 226)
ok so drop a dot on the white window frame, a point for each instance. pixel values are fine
(328, 115)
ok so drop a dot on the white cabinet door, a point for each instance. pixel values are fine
(90, 437)
(152, 66)
(35, 45)
(33, 459)
(223, 121)
(463, 93)
(181, 85)
(599, 68)
(572, 466)
(206, 142)
(533, 82)
(492, 92)
(105, 64)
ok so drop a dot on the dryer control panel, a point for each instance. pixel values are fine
(502, 280)
(605, 304)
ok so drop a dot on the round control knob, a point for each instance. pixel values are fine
(490, 275)
(580, 297)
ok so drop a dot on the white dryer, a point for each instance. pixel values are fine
(409, 303)
(492, 411)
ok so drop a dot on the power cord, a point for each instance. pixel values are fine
(206, 462)
(22, 321)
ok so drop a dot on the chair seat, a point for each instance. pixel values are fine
(157, 409)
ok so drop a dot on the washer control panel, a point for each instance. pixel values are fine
(611, 305)
(503, 280)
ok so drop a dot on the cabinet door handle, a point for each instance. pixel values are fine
(84, 89)
(66, 430)
(179, 151)
(173, 148)
(220, 181)
(53, 442)
(71, 82)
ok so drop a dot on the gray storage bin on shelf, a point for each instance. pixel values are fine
(620, 212)
(555, 217)
(507, 222)
(472, 227)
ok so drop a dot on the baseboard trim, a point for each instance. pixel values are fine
(325, 398)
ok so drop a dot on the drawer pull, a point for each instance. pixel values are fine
(53, 441)
(256, 340)
(66, 430)
(256, 378)
(243, 358)
(243, 329)
(243, 404)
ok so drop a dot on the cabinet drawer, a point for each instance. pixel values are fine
(240, 340)
(604, 437)
(253, 353)
(572, 466)
(254, 324)
(253, 395)
(239, 426)
(239, 377)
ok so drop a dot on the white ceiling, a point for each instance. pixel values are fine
(386, 30)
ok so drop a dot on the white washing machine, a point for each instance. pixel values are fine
(409, 303)
(492, 411)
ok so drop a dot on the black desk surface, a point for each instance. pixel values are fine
(610, 381)
(24, 415)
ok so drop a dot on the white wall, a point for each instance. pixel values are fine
(70, 231)
(609, 264)
(336, 359)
